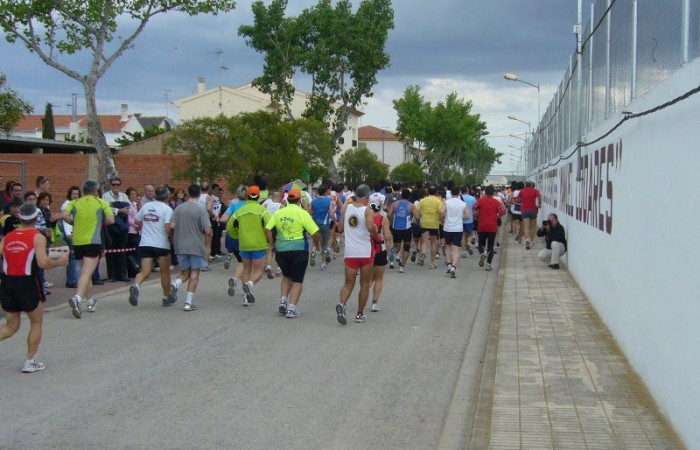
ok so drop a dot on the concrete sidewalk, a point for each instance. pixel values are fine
(557, 379)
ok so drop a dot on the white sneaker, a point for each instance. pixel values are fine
(487, 267)
(232, 286)
(292, 312)
(249, 289)
(48, 284)
(32, 365)
(74, 303)
(376, 307)
(402, 269)
(190, 307)
(91, 304)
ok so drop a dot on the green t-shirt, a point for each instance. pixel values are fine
(251, 219)
(291, 222)
(89, 212)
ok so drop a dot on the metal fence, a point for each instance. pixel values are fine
(629, 47)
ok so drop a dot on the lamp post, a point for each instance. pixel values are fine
(514, 77)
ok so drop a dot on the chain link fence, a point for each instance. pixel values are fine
(629, 47)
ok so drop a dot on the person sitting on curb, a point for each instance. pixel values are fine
(555, 239)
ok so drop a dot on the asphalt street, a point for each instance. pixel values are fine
(228, 376)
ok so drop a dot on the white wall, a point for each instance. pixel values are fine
(641, 274)
(393, 152)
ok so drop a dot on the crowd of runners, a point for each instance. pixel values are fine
(268, 232)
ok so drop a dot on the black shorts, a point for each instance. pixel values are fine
(453, 238)
(431, 231)
(416, 230)
(87, 251)
(293, 264)
(380, 259)
(517, 216)
(18, 294)
(153, 252)
(401, 235)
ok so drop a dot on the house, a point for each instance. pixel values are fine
(385, 144)
(231, 101)
(114, 126)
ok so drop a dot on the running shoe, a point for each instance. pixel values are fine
(323, 266)
(402, 269)
(488, 267)
(421, 260)
(392, 257)
(232, 286)
(327, 256)
(376, 307)
(133, 295)
(172, 295)
(312, 259)
(527, 245)
(360, 318)
(481, 260)
(292, 313)
(75, 306)
(190, 307)
(227, 262)
(206, 268)
(433, 265)
(32, 365)
(278, 272)
(48, 284)
(391, 265)
(437, 256)
(449, 268)
(91, 304)
(340, 311)
(165, 302)
(283, 306)
(453, 273)
(249, 288)
(464, 254)
(469, 250)
(268, 271)
(413, 257)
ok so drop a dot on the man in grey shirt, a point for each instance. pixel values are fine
(191, 225)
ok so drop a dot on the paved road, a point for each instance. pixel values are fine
(226, 376)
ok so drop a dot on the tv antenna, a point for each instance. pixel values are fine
(222, 68)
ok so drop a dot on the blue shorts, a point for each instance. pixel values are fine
(529, 214)
(468, 227)
(231, 244)
(255, 254)
(191, 262)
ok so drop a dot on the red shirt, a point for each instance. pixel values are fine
(18, 253)
(489, 209)
(528, 197)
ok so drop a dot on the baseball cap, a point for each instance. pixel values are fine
(253, 191)
(294, 194)
(375, 205)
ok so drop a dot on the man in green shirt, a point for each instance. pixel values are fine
(292, 223)
(250, 220)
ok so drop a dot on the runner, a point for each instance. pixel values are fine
(321, 208)
(154, 219)
(292, 223)
(357, 222)
(191, 224)
(272, 204)
(250, 220)
(88, 214)
(430, 226)
(530, 204)
(489, 210)
(380, 253)
(23, 253)
(401, 215)
(467, 224)
(231, 240)
(455, 212)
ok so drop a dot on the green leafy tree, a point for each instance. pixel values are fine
(48, 129)
(340, 51)
(448, 136)
(259, 143)
(12, 107)
(408, 172)
(60, 28)
(360, 165)
(137, 136)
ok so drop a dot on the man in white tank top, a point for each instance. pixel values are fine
(357, 222)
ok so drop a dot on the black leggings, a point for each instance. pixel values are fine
(487, 239)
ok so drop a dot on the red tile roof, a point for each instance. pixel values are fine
(109, 122)
(370, 133)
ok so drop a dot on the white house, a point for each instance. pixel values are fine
(385, 144)
(231, 101)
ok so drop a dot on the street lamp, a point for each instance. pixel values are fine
(514, 77)
(517, 137)
(529, 127)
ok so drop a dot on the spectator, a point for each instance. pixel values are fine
(16, 191)
(118, 232)
(555, 241)
(133, 237)
(11, 219)
(42, 184)
(72, 270)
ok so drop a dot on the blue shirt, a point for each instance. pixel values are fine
(469, 200)
(401, 218)
(320, 208)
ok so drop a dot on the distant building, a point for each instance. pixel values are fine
(231, 101)
(114, 126)
(385, 144)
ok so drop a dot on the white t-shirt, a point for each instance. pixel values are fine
(271, 206)
(67, 228)
(357, 238)
(154, 216)
(454, 215)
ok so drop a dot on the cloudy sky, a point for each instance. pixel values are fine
(444, 46)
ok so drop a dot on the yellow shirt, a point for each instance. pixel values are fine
(430, 212)
(292, 222)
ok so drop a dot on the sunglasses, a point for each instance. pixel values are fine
(116, 184)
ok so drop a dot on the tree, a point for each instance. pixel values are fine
(65, 27)
(340, 51)
(450, 138)
(360, 165)
(137, 136)
(12, 107)
(48, 129)
(408, 172)
(259, 143)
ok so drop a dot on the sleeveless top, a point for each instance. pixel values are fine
(357, 239)
(379, 247)
(402, 217)
(202, 200)
(18, 253)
